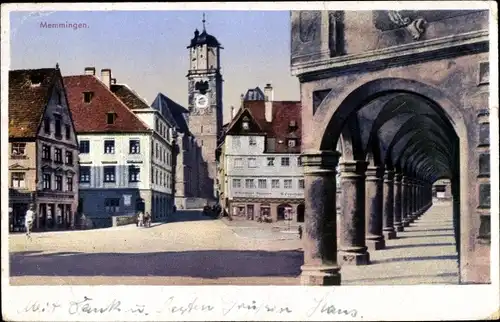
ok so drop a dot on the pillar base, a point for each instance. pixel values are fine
(354, 258)
(406, 223)
(322, 275)
(375, 242)
(390, 234)
(399, 227)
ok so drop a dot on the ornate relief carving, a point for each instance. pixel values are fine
(415, 27)
(308, 25)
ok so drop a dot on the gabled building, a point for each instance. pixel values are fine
(260, 157)
(43, 150)
(123, 170)
(187, 155)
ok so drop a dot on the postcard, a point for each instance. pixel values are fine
(250, 161)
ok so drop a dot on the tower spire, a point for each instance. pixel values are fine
(203, 21)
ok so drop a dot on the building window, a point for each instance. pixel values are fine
(252, 163)
(157, 151)
(58, 128)
(287, 183)
(58, 155)
(236, 142)
(85, 174)
(249, 183)
(46, 152)
(133, 173)
(109, 173)
(270, 162)
(134, 146)
(18, 180)
(46, 125)
(238, 163)
(109, 146)
(285, 161)
(301, 183)
(252, 140)
(47, 181)
(112, 205)
(69, 183)
(292, 143)
(84, 146)
(156, 176)
(201, 129)
(262, 183)
(110, 118)
(275, 183)
(59, 181)
(69, 158)
(68, 131)
(157, 125)
(87, 96)
(236, 183)
(299, 161)
(18, 149)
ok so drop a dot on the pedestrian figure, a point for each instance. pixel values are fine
(28, 221)
(147, 219)
(140, 219)
(300, 232)
(175, 208)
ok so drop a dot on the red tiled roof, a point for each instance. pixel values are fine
(283, 113)
(92, 117)
(27, 103)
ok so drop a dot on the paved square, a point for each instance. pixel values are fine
(193, 250)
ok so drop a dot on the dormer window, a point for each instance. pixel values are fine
(87, 96)
(111, 118)
(292, 143)
(36, 80)
(245, 124)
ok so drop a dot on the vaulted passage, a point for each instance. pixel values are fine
(393, 147)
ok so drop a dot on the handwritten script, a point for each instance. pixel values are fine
(88, 306)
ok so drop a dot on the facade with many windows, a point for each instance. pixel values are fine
(260, 157)
(125, 162)
(43, 160)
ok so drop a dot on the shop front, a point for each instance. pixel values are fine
(266, 210)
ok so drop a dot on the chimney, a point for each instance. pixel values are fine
(242, 99)
(90, 71)
(113, 81)
(106, 77)
(269, 98)
(232, 113)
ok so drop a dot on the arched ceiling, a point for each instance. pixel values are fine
(408, 132)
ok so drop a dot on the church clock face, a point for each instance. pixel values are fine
(201, 101)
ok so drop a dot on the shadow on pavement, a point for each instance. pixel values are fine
(419, 245)
(202, 264)
(421, 236)
(416, 258)
(392, 278)
(187, 215)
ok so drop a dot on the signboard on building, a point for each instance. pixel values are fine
(252, 194)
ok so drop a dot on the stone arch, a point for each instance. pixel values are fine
(300, 212)
(338, 108)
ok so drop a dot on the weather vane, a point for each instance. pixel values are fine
(203, 21)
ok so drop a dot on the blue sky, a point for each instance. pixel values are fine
(147, 49)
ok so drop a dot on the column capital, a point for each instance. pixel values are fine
(353, 168)
(389, 176)
(398, 176)
(374, 173)
(315, 162)
(405, 179)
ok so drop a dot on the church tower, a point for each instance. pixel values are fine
(205, 103)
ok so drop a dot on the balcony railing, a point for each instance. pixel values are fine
(19, 156)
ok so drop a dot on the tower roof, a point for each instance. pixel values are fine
(204, 38)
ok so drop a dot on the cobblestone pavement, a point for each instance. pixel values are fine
(191, 249)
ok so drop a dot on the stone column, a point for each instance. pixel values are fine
(373, 204)
(353, 250)
(388, 205)
(404, 201)
(411, 199)
(319, 238)
(398, 187)
(416, 212)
